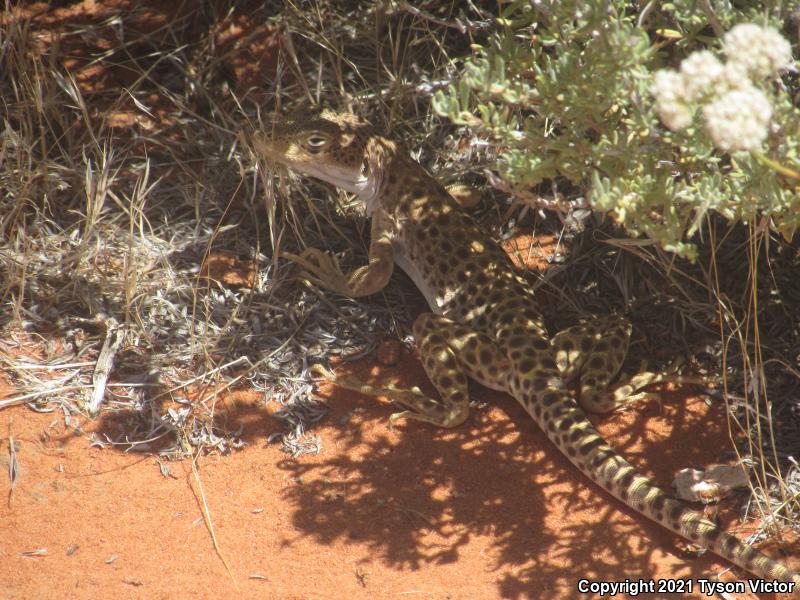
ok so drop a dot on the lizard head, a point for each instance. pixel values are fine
(333, 147)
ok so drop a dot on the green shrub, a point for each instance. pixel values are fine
(652, 114)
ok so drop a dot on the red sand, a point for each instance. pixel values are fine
(489, 510)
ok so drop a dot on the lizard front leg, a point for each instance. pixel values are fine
(324, 269)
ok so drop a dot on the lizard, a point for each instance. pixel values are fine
(484, 322)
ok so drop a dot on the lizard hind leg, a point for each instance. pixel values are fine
(591, 355)
(450, 353)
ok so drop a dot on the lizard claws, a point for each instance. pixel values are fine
(320, 268)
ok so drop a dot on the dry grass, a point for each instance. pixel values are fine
(122, 171)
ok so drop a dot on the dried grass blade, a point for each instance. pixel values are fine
(13, 464)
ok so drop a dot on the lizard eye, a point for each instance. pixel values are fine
(315, 142)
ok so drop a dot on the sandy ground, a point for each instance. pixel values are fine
(490, 510)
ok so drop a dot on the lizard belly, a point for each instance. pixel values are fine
(437, 301)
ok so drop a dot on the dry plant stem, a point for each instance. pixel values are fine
(719, 30)
(203, 376)
(13, 464)
(748, 426)
(755, 248)
(115, 334)
(35, 367)
(207, 519)
(67, 388)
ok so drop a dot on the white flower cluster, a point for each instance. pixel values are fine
(736, 114)
(738, 119)
(700, 72)
(668, 90)
(762, 51)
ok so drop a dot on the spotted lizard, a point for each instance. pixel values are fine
(484, 322)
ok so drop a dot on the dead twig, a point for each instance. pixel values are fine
(115, 334)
